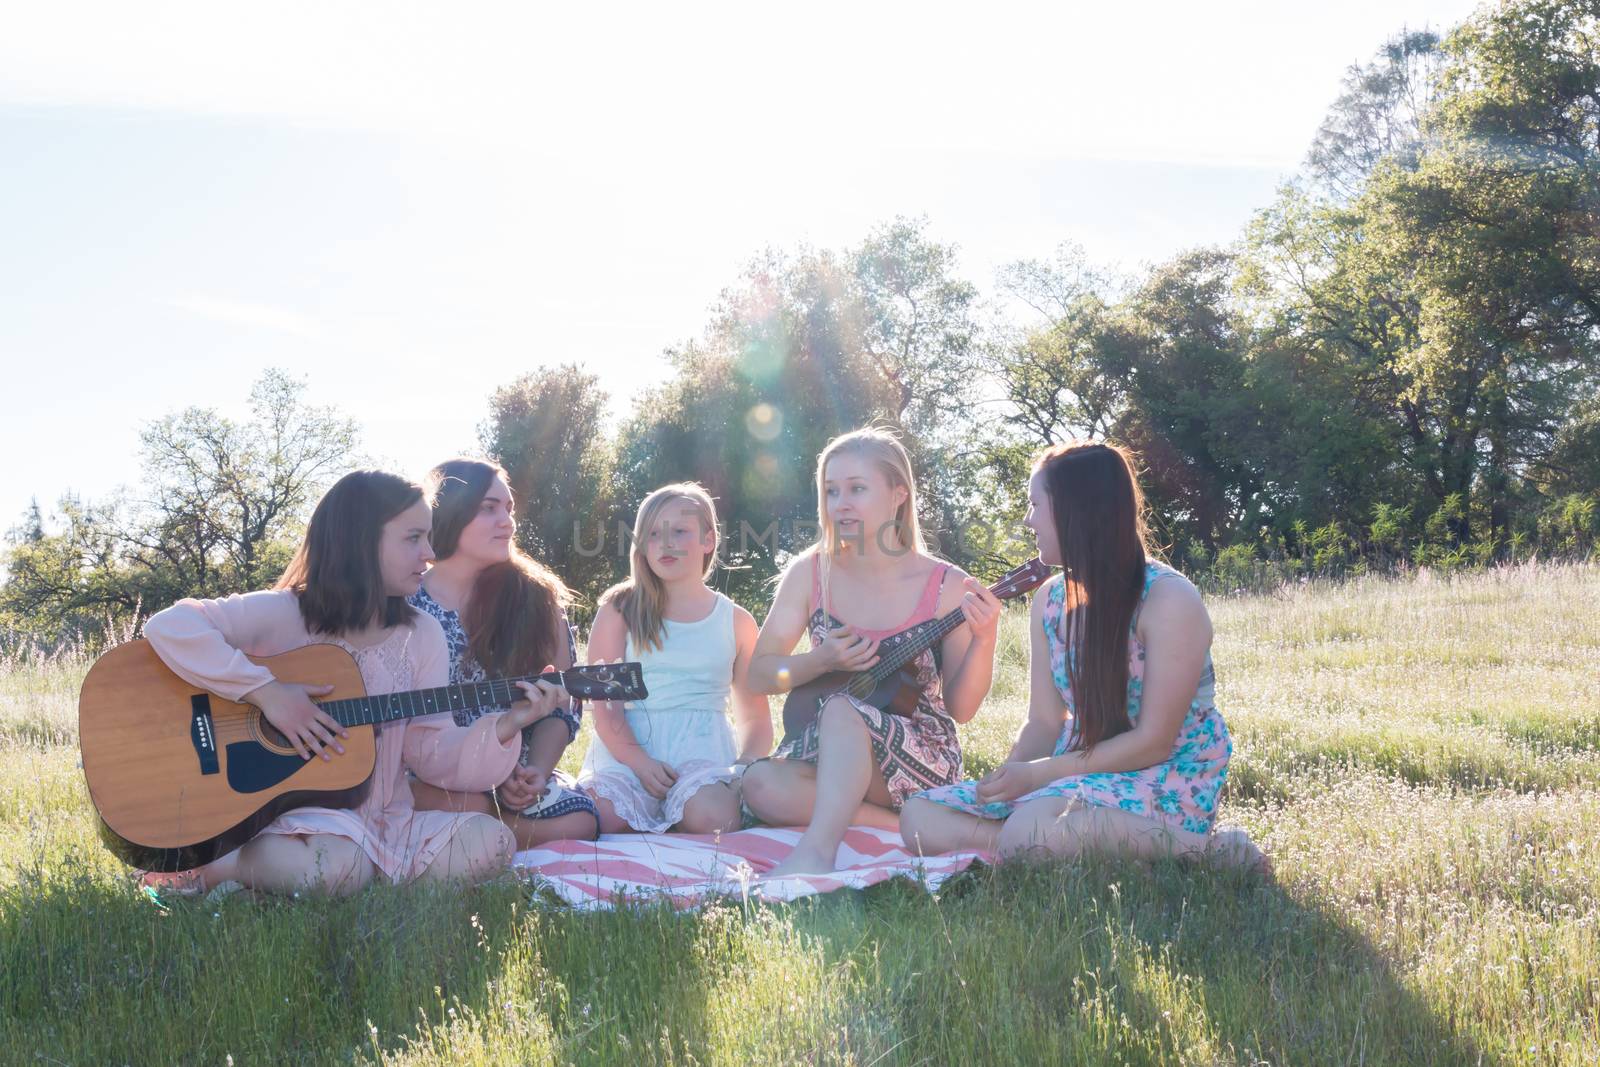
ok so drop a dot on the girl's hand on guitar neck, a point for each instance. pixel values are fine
(288, 707)
(543, 699)
(845, 650)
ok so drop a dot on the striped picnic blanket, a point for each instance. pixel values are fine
(688, 869)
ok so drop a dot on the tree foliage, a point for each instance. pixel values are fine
(218, 510)
(1399, 360)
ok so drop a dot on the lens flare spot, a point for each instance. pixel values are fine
(764, 422)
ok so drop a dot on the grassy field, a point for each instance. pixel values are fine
(1422, 759)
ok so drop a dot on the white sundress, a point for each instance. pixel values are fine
(683, 723)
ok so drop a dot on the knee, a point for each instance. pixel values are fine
(712, 810)
(914, 824)
(840, 714)
(1024, 834)
(759, 784)
(1078, 826)
(1017, 837)
(338, 866)
(487, 841)
(582, 825)
(480, 843)
(1065, 834)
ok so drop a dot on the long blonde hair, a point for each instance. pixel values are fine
(882, 447)
(641, 599)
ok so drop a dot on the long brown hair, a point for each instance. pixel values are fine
(1099, 519)
(641, 599)
(335, 573)
(513, 616)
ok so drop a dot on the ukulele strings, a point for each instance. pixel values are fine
(910, 650)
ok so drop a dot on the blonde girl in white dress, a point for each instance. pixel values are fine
(672, 761)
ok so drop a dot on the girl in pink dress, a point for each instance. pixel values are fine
(868, 577)
(365, 550)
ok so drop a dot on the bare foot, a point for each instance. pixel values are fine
(803, 860)
(1232, 847)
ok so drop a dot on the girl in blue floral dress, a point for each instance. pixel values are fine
(1124, 748)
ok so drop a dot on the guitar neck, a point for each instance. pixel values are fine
(391, 707)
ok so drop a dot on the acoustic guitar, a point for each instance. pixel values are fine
(889, 684)
(181, 776)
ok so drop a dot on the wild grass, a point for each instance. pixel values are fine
(1419, 756)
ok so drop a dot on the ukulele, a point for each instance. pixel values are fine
(181, 776)
(889, 684)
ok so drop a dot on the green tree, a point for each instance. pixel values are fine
(219, 507)
(805, 346)
(1050, 373)
(1378, 114)
(918, 324)
(545, 428)
(1493, 232)
(221, 500)
(1454, 290)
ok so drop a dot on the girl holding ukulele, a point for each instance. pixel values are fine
(869, 576)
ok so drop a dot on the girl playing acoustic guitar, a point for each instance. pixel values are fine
(869, 576)
(364, 552)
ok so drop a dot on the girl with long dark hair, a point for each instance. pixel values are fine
(364, 552)
(504, 615)
(1123, 748)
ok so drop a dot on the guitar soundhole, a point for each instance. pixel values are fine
(271, 736)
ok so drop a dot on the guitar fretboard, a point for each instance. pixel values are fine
(1016, 582)
(390, 707)
(865, 682)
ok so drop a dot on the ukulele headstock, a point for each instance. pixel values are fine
(1021, 580)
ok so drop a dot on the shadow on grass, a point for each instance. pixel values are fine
(1103, 962)
(1095, 962)
(94, 972)
(1167, 963)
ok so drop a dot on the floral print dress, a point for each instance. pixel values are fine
(562, 797)
(913, 752)
(1181, 791)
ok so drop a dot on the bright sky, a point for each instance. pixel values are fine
(411, 204)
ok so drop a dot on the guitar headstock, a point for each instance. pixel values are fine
(606, 681)
(1019, 581)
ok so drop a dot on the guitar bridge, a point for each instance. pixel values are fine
(203, 733)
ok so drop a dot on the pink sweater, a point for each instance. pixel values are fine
(206, 642)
